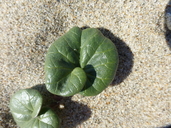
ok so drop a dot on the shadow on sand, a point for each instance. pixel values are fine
(70, 112)
(166, 24)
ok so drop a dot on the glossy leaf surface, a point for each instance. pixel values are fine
(25, 106)
(82, 61)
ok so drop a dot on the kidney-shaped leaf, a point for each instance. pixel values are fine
(82, 61)
(25, 106)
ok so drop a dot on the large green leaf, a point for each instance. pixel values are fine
(25, 106)
(99, 59)
(82, 61)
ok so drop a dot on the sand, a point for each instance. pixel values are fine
(140, 95)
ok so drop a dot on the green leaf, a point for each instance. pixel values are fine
(99, 52)
(25, 106)
(82, 61)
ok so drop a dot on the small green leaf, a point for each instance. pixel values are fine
(82, 61)
(25, 106)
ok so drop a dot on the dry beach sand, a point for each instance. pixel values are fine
(140, 95)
